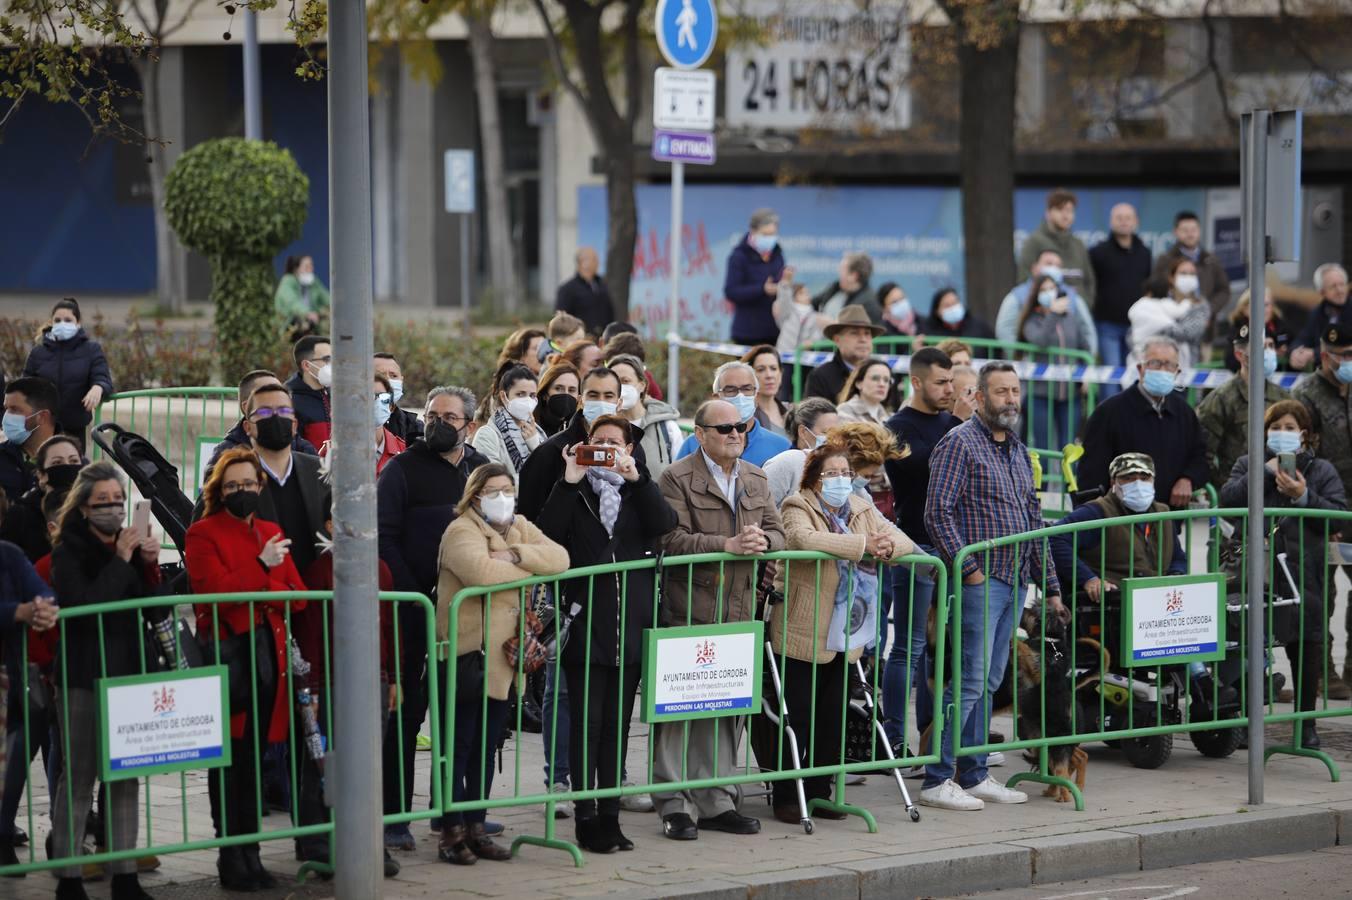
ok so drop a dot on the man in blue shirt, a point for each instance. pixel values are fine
(736, 383)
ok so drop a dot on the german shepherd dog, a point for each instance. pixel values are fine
(1046, 697)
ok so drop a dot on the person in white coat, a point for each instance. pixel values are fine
(511, 432)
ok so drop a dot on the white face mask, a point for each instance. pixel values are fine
(628, 396)
(498, 508)
(306, 278)
(324, 375)
(520, 408)
(1185, 283)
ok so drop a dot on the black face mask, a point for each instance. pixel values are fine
(440, 437)
(274, 432)
(241, 504)
(562, 406)
(60, 478)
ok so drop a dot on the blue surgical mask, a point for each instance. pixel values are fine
(15, 428)
(397, 389)
(1269, 362)
(1137, 495)
(836, 491)
(954, 314)
(1046, 298)
(381, 411)
(900, 309)
(746, 406)
(1054, 273)
(764, 243)
(1158, 383)
(1283, 441)
(64, 331)
(1344, 372)
(595, 409)
(860, 484)
(820, 439)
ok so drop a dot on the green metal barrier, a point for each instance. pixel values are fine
(174, 836)
(174, 419)
(747, 773)
(1151, 702)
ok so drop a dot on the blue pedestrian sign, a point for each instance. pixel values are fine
(686, 30)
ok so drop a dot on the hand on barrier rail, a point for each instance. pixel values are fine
(750, 541)
(1181, 494)
(879, 546)
(1095, 588)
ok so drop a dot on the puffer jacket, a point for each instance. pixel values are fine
(74, 366)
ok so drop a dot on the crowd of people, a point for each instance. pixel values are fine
(571, 457)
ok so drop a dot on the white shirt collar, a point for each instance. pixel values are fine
(726, 483)
(280, 479)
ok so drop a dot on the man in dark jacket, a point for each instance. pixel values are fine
(754, 271)
(545, 466)
(403, 423)
(237, 436)
(309, 387)
(416, 496)
(1330, 280)
(1212, 282)
(1150, 418)
(30, 419)
(850, 289)
(585, 294)
(1121, 266)
(853, 335)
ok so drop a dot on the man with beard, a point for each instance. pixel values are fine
(980, 489)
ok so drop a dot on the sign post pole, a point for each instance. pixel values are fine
(459, 175)
(674, 257)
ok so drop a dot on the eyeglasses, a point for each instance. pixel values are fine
(746, 390)
(740, 428)
(1159, 365)
(505, 492)
(615, 444)
(450, 419)
(839, 474)
(322, 359)
(267, 412)
(231, 487)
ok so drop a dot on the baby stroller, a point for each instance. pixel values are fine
(153, 476)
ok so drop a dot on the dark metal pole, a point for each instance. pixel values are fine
(355, 771)
(253, 102)
(1256, 207)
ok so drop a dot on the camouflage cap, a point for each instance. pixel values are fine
(1131, 464)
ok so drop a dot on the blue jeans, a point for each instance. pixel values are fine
(1112, 339)
(555, 738)
(985, 656)
(906, 660)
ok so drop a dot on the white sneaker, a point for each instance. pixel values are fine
(563, 808)
(993, 791)
(995, 758)
(855, 778)
(949, 796)
(635, 802)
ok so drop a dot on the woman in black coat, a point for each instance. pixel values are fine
(69, 359)
(1315, 485)
(604, 515)
(96, 560)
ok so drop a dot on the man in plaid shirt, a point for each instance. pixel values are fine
(981, 488)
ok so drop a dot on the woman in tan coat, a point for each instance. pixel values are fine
(830, 608)
(487, 544)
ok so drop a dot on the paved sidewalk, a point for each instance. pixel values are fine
(1117, 797)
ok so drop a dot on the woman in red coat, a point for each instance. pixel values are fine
(230, 551)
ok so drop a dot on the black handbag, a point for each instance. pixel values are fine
(469, 677)
(243, 671)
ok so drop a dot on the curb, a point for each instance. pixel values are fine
(1024, 863)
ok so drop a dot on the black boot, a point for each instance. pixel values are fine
(591, 835)
(262, 878)
(127, 887)
(70, 889)
(1309, 737)
(8, 857)
(610, 830)
(233, 868)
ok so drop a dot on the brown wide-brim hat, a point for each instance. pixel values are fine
(852, 317)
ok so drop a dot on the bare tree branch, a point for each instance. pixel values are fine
(556, 55)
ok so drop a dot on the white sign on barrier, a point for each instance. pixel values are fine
(1173, 619)
(164, 722)
(701, 672)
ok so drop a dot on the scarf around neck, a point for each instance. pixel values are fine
(607, 485)
(511, 436)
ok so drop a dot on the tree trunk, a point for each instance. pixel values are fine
(989, 76)
(170, 283)
(622, 214)
(504, 275)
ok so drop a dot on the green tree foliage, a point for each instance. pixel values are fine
(238, 203)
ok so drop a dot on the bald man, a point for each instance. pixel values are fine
(1121, 266)
(585, 295)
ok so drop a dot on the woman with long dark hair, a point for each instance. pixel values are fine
(511, 433)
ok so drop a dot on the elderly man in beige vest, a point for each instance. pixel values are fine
(722, 505)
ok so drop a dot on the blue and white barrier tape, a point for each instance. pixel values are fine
(1057, 372)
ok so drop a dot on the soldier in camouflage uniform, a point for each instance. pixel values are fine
(1325, 394)
(1224, 413)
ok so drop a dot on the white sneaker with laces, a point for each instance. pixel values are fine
(993, 791)
(949, 796)
(635, 802)
(995, 758)
(563, 808)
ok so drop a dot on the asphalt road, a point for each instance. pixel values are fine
(1313, 876)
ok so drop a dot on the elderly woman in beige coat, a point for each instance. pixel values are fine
(487, 544)
(829, 610)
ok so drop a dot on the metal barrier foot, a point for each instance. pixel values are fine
(323, 870)
(1292, 750)
(1054, 781)
(551, 843)
(847, 809)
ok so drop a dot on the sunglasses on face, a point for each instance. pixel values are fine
(739, 427)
